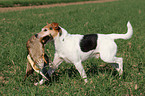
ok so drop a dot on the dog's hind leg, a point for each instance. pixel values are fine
(119, 65)
(107, 50)
(108, 56)
(116, 62)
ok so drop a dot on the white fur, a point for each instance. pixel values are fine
(67, 49)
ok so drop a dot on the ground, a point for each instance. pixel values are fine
(51, 5)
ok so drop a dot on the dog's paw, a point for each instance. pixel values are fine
(40, 82)
(120, 72)
(36, 84)
(86, 81)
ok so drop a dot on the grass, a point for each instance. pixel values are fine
(13, 3)
(18, 26)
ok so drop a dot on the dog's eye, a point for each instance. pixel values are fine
(50, 28)
(45, 29)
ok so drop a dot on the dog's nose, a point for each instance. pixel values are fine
(36, 35)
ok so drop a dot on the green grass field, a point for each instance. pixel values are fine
(17, 27)
(12, 3)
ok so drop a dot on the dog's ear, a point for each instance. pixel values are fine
(55, 26)
(47, 23)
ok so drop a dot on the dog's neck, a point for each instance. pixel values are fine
(63, 35)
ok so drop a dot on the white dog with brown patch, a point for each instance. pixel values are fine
(77, 48)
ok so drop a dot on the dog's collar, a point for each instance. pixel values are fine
(63, 34)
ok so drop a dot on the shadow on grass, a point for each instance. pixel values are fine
(91, 70)
(72, 72)
(94, 69)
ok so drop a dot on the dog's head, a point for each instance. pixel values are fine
(49, 32)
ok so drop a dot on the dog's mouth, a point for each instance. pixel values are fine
(46, 39)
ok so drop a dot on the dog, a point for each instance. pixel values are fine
(37, 59)
(75, 48)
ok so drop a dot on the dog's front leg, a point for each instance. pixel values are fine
(56, 62)
(81, 70)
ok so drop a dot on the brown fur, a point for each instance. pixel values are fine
(55, 29)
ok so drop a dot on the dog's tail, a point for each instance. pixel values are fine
(123, 36)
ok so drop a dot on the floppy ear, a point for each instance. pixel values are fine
(55, 26)
(47, 23)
